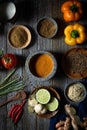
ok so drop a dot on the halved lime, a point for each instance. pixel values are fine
(53, 104)
(43, 96)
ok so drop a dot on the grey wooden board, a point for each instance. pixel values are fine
(28, 14)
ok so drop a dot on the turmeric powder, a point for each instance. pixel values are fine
(42, 65)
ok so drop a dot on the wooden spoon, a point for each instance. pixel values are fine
(19, 96)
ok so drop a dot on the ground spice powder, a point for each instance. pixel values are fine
(46, 28)
(18, 37)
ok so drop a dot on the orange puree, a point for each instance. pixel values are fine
(43, 65)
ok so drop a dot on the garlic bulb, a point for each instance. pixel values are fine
(32, 102)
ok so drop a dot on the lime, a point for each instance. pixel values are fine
(53, 104)
(43, 96)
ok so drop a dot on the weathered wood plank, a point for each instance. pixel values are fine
(28, 14)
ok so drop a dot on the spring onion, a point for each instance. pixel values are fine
(7, 76)
(7, 86)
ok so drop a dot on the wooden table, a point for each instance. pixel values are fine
(28, 13)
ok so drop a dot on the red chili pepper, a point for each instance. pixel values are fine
(10, 112)
(16, 111)
(21, 105)
(19, 111)
(13, 114)
(18, 116)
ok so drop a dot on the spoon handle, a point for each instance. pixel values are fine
(5, 102)
(20, 95)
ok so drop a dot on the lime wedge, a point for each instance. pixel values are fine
(53, 104)
(43, 96)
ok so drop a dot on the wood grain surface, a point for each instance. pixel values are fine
(28, 14)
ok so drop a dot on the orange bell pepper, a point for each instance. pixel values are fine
(72, 10)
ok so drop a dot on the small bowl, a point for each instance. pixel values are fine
(71, 91)
(41, 65)
(74, 63)
(47, 27)
(19, 36)
(53, 92)
(7, 11)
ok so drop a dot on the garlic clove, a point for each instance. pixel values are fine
(38, 108)
(32, 102)
(43, 111)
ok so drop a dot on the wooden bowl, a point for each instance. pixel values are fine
(74, 63)
(53, 92)
(19, 36)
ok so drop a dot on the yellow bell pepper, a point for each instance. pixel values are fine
(75, 34)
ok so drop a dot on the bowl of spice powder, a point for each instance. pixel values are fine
(47, 27)
(41, 65)
(19, 36)
(75, 92)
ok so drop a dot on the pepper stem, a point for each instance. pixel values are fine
(7, 59)
(74, 8)
(74, 34)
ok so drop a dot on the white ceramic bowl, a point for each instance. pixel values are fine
(31, 72)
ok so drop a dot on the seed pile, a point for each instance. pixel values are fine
(77, 62)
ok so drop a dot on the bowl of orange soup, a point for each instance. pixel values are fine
(41, 65)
